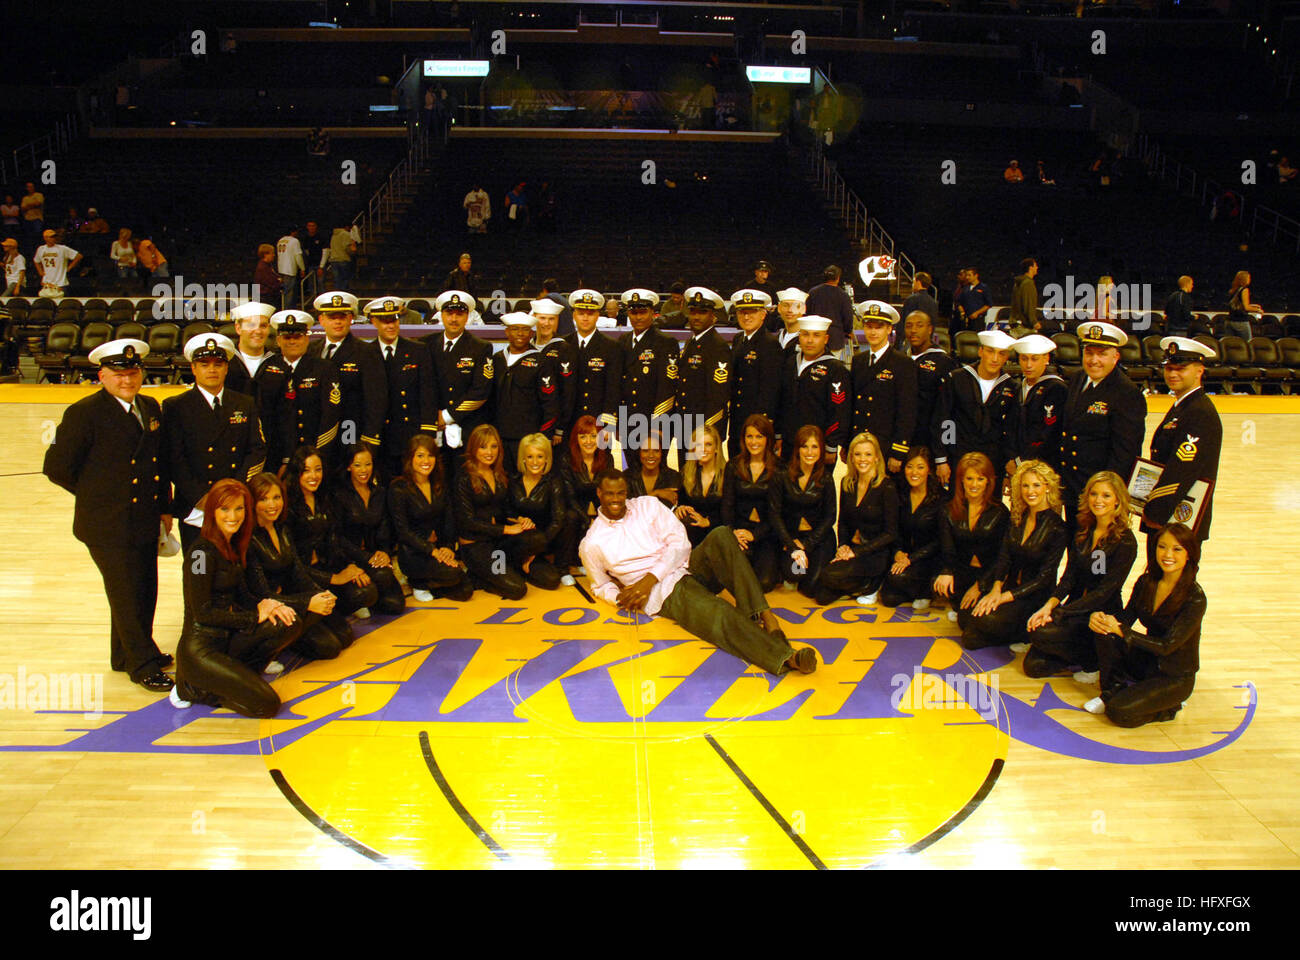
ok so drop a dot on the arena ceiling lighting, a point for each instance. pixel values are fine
(455, 68)
(778, 74)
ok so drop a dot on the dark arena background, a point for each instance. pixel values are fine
(654, 145)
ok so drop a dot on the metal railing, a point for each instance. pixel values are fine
(30, 156)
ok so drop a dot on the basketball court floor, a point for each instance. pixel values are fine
(558, 733)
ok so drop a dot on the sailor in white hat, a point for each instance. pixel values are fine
(814, 390)
(598, 370)
(109, 453)
(252, 322)
(358, 372)
(791, 304)
(704, 370)
(526, 391)
(1042, 402)
(980, 401)
(547, 314)
(884, 387)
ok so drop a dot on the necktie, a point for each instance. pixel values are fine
(388, 353)
(449, 343)
(135, 413)
(216, 405)
(329, 350)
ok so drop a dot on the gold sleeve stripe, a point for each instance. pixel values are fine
(255, 469)
(373, 441)
(665, 406)
(326, 438)
(468, 405)
(608, 418)
(1164, 491)
(714, 419)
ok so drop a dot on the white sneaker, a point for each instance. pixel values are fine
(867, 599)
(1019, 647)
(177, 702)
(789, 585)
(274, 668)
(1095, 705)
(362, 613)
(424, 596)
(919, 605)
(568, 580)
(952, 616)
(1088, 677)
(582, 571)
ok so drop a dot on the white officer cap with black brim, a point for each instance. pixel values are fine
(1034, 344)
(639, 297)
(518, 318)
(292, 321)
(386, 307)
(818, 324)
(1179, 351)
(749, 297)
(455, 300)
(249, 310)
(702, 298)
(997, 339)
(587, 299)
(124, 354)
(335, 301)
(1099, 334)
(877, 311)
(201, 346)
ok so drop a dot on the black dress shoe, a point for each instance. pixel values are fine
(157, 682)
(805, 660)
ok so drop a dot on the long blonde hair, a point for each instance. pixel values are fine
(690, 471)
(1051, 480)
(850, 481)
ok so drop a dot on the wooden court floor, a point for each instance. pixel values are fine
(557, 733)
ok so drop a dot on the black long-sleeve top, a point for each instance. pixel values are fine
(1174, 636)
(668, 479)
(744, 498)
(960, 545)
(279, 573)
(788, 504)
(365, 527)
(480, 511)
(918, 530)
(318, 532)
(544, 506)
(1028, 568)
(218, 597)
(1090, 591)
(579, 487)
(707, 504)
(414, 517)
(874, 520)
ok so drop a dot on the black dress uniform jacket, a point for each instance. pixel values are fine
(527, 396)
(257, 385)
(819, 395)
(704, 379)
(756, 364)
(884, 400)
(300, 405)
(413, 394)
(931, 368)
(1102, 429)
(360, 375)
(1038, 420)
(204, 446)
(649, 385)
(117, 470)
(984, 426)
(1187, 443)
(464, 378)
(598, 379)
(566, 368)
(414, 517)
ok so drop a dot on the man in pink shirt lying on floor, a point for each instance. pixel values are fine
(639, 559)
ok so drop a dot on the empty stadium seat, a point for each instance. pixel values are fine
(1068, 355)
(1236, 354)
(1130, 355)
(92, 335)
(58, 345)
(1289, 350)
(1264, 354)
(164, 342)
(1217, 373)
(968, 346)
(130, 329)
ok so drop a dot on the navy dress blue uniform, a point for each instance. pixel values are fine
(756, 362)
(1102, 430)
(1038, 421)
(412, 397)
(1187, 444)
(817, 394)
(360, 375)
(884, 399)
(300, 406)
(527, 399)
(985, 426)
(566, 368)
(598, 379)
(704, 380)
(932, 366)
(117, 470)
(649, 384)
(259, 385)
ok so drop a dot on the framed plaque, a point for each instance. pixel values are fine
(1146, 475)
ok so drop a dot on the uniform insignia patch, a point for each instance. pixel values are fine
(488, 371)
(564, 368)
(720, 375)
(238, 417)
(596, 363)
(348, 367)
(885, 374)
(837, 395)
(1183, 512)
(1100, 407)
(1187, 449)
(336, 395)
(672, 370)
(153, 424)
(1047, 413)
(465, 363)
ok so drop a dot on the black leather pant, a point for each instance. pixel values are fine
(914, 583)
(851, 577)
(1058, 645)
(1133, 688)
(1003, 626)
(494, 563)
(223, 667)
(818, 557)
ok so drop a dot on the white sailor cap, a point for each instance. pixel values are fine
(204, 345)
(749, 297)
(545, 307)
(639, 297)
(335, 301)
(586, 299)
(520, 319)
(820, 324)
(997, 339)
(1034, 343)
(120, 354)
(385, 306)
(877, 311)
(455, 300)
(703, 297)
(791, 295)
(1101, 334)
(292, 321)
(251, 309)
(1181, 350)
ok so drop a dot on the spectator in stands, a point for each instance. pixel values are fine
(1043, 179)
(71, 225)
(461, 278)
(150, 260)
(613, 310)
(921, 298)
(1239, 306)
(672, 313)
(265, 278)
(342, 248)
(1285, 172)
(478, 209)
(10, 213)
(290, 266)
(1104, 307)
(760, 280)
(1013, 173)
(122, 253)
(33, 207)
(1024, 300)
(15, 268)
(516, 205)
(1178, 309)
(957, 320)
(313, 248)
(94, 223)
(974, 302)
(829, 300)
(54, 261)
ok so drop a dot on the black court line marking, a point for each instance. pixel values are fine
(767, 804)
(955, 820)
(324, 826)
(30, 473)
(456, 805)
(583, 590)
